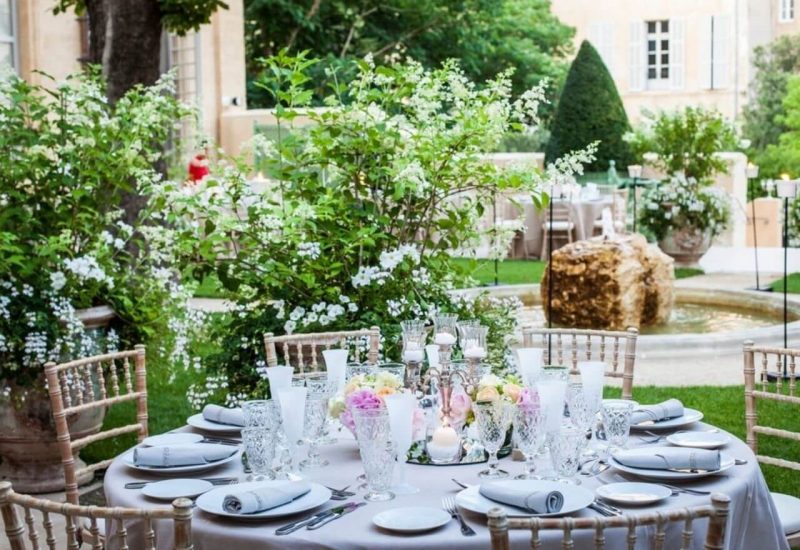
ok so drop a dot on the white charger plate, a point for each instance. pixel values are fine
(127, 458)
(633, 493)
(575, 497)
(211, 501)
(170, 489)
(411, 519)
(197, 421)
(699, 440)
(690, 416)
(726, 462)
(184, 438)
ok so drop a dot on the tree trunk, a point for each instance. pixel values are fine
(125, 38)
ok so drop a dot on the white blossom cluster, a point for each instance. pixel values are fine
(388, 261)
(309, 250)
(86, 268)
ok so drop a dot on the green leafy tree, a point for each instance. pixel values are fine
(487, 36)
(775, 63)
(590, 110)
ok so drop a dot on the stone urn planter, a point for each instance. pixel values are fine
(29, 454)
(686, 245)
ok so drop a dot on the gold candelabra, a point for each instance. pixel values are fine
(445, 376)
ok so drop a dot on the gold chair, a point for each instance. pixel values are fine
(716, 512)
(560, 224)
(16, 531)
(581, 345)
(772, 363)
(302, 351)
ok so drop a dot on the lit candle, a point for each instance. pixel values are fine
(785, 187)
(444, 339)
(444, 446)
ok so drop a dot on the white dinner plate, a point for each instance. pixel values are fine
(163, 440)
(170, 489)
(633, 493)
(699, 440)
(690, 416)
(726, 461)
(127, 458)
(575, 497)
(197, 421)
(211, 501)
(411, 519)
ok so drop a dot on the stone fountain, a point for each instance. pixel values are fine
(610, 283)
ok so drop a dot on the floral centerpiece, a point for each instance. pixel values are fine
(366, 391)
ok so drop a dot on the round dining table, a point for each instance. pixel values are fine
(753, 521)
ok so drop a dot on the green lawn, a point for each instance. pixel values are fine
(793, 285)
(518, 272)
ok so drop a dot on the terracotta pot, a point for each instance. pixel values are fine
(29, 454)
(686, 245)
(31, 460)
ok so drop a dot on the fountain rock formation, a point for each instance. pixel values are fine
(610, 283)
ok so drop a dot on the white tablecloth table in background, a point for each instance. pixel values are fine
(753, 521)
(583, 213)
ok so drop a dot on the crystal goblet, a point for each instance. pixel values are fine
(493, 419)
(377, 451)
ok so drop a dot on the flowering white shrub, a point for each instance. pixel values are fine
(364, 206)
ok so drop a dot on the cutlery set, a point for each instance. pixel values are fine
(315, 521)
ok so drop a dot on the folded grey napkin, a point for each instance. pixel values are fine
(181, 455)
(669, 458)
(536, 502)
(258, 500)
(223, 415)
(671, 408)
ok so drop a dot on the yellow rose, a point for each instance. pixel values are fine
(487, 393)
(351, 387)
(512, 391)
(384, 391)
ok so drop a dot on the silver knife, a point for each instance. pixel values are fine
(295, 525)
(346, 509)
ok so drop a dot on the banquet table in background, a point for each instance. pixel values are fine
(753, 521)
(583, 213)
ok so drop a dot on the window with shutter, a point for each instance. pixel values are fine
(786, 12)
(715, 52)
(8, 38)
(636, 56)
(658, 54)
(676, 53)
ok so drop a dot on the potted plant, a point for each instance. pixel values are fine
(77, 277)
(685, 212)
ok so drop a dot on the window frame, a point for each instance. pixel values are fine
(660, 36)
(13, 39)
(786, 11)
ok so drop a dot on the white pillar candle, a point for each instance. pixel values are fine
(444, 339)
(336, 365)
(413, 353)
(529, 364)
(444, 446)
(552, 394)
(475, 352)
(279, 377)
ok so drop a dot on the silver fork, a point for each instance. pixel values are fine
(449, 506)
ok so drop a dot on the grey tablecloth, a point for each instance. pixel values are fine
(753, 521)
(584, 213)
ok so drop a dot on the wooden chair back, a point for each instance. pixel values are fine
(101, 381)
(568, 346)
(17, 530)
(304, 351)
(562, 212)
(768, 384)
(716, 512)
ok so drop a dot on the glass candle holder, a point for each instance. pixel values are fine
(445, 330)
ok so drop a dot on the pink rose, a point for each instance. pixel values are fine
(359, 399)
(460, 405)
(528, 399)
(418, 425)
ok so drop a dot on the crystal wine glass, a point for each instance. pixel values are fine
(316, 415)
(377, 451)
(529, 434)
(582, 413)
(493, 419)
(617, 423)
(565, 452)
(259, 446)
